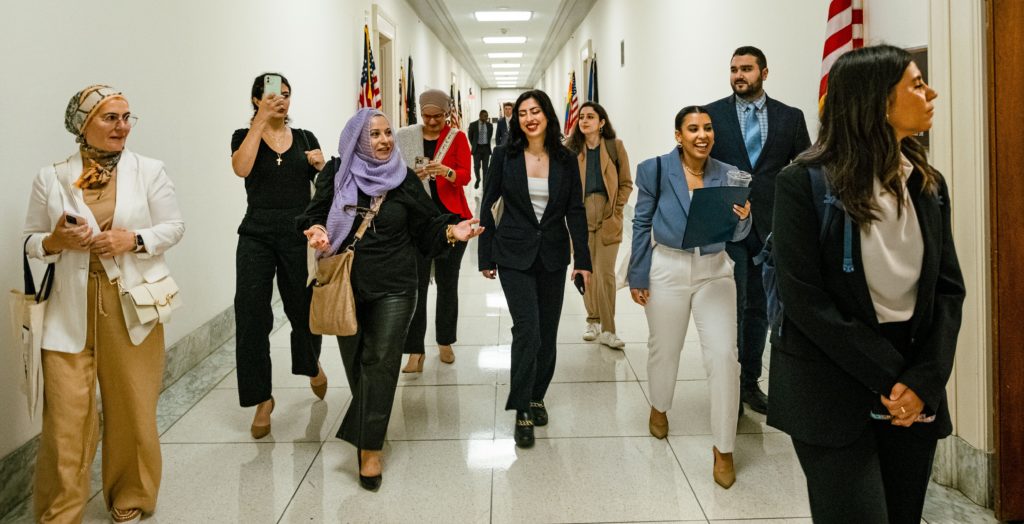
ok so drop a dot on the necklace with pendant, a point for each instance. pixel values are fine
(276, 146)
(698, 174)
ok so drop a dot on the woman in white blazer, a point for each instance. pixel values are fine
(104, 217)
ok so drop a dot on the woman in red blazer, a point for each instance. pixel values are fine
(441, 158)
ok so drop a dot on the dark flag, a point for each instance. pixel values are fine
(410, 97)
(592, 81)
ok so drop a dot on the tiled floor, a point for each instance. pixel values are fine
(450, 456)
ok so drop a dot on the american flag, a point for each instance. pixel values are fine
(454, 116)
(845, 32)
(572, 105)
(369, 87)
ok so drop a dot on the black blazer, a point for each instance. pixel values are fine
(787, 138)
(502, 135)
(831, 364)
(474, 130)
(520, 239)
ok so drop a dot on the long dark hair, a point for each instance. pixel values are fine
(257, 89)
(576, 141)
(553, 134)
(856, 143)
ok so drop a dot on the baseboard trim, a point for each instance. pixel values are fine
(18, 466)
(967, 469)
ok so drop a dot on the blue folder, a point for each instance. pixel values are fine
(711, 219)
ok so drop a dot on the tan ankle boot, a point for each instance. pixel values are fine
(658, 424)
(724, 470)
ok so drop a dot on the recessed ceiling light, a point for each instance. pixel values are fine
(505, 73)
(505, 66)
(502, 16)
(504, 39)
(504, 55)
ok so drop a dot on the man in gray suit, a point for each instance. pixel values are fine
(760, 135)
(480, 133)
(503, 123)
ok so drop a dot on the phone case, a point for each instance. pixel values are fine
(271, 85)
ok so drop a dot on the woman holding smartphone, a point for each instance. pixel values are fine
(538, 181)
(873, 296)
(278, 164)
(440, 156)
(105, 213)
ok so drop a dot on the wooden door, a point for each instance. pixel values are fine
(1006, 130)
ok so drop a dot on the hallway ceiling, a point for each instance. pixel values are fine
(546, 33)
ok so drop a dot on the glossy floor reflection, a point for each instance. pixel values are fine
(450, 456)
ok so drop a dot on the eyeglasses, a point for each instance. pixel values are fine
(439, 116)
(111, 119)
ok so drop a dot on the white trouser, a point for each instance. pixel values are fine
(681, 282)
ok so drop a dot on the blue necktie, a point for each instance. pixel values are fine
(752, 138)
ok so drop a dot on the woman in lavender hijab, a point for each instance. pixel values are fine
(368, 168)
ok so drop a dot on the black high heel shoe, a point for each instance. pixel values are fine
(368, 483)
(524, 429)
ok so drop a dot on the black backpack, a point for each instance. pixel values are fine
(825, 203)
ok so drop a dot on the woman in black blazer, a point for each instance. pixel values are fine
(538, 182)
(872, 297)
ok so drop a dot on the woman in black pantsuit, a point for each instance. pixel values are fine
(872, 297)
(383, 273)
(538, 180)
(278, 164)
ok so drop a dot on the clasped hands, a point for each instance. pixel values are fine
(903, 404)
(80, 238)
(463, 231)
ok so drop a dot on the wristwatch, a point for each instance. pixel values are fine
(140, 245)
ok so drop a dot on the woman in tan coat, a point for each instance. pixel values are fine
(604, 171)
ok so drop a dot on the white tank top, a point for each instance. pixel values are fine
(538, 195)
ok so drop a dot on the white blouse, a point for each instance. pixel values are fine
(538, 195)
(892, 251)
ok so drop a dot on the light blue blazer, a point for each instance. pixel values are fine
(667, 217)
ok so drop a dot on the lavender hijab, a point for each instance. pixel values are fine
(358, 171)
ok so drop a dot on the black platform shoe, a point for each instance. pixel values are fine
(524, 429)
(368, 483)
(539, 413)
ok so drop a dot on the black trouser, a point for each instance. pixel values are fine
(446, 310)
(751, 307)
(881, 478)
(267, 245)
(534, 300)
(480, 161)
(372, 357)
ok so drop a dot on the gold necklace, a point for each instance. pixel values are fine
(538, 157)
(275, 146)
(698, 174)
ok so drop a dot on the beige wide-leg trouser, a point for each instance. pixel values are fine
(130, 378)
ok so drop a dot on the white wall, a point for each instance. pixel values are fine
(678, 53)
(493, 98)
(186, 68)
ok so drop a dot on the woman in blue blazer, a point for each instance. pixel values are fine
(671, 282)
(873, 297)
(538, 182)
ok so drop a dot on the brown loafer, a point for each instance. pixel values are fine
(319, 383)
(658, 424)
(724, 470)
(125, 516)
(260, 431)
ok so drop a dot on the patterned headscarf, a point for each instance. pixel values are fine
(359, 171)
(98, 165)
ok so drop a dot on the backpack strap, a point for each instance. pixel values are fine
(613, 152)
(826, 203)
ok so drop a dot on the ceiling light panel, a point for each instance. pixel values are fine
(504, 55)
(505, 66)
(504, 39)
(503, 16)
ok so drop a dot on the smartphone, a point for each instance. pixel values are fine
(579, 283)
(71, 219)
(271, 85)
(921, 418)
(421, 162)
